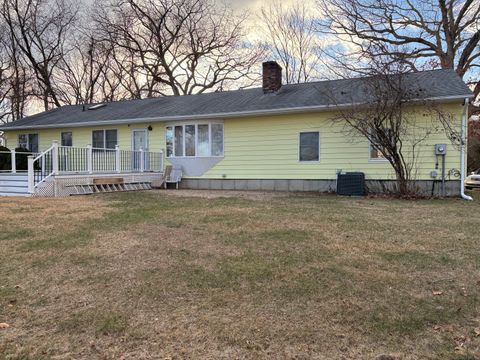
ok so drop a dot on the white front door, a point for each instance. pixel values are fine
(139, 141)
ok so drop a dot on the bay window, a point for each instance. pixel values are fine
(194, 140)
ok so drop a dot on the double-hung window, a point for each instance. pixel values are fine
(28, 142)
(309, 146)
(194, 140)
(375, 151)
(66, 138)
(104, 139)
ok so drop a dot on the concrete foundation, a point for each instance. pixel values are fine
(372, 186)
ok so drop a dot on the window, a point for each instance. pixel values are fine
(189, 140)
(66, 138)
(309, 147)
(203, 141)
(178, 140)
(217, 139)
(169, 140)
(375, 152)
(28, 142)
(104, 139)
(192, 140)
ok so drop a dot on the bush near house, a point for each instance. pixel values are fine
(5, 158)
(473, 157)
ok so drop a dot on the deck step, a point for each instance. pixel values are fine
(13, 177)
(5, 193)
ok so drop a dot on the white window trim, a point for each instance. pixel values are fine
(375, 160)
(28, 140)
(104, 138)
(196, 123)
(66, 131)
(298, 147)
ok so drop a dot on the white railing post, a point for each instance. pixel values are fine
(161, 160)
(55, 157)
(142, 160)
(14, 162)
(31, 175)
(117, 158)
(89, 159)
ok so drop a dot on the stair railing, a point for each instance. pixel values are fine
(42, 167)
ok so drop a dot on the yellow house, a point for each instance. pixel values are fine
(277, 137)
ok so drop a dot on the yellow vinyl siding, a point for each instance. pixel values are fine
(82, 136)
(267, 147)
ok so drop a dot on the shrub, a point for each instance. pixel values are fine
(21, 158)
(5, 158)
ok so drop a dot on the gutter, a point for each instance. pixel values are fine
(231, 115)
(463, 141)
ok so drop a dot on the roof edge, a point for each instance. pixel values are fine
(239, 114)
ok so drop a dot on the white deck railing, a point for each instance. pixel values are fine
(69, 160)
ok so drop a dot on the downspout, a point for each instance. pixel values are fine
(463, 141)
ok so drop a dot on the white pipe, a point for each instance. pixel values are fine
(463, 141)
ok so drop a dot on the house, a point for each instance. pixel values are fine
(276, 137)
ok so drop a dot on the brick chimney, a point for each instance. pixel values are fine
(272, 77)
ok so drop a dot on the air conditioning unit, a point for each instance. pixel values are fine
(351, 184)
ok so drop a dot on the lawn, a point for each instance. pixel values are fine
(214, 275)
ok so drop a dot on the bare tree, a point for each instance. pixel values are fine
(291, 39)
(40, 30)
(390, 119)
(429, 33)
(177, 47)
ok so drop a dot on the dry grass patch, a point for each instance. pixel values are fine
(186, 274)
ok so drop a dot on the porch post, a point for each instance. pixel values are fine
(142, 160)
(89, 159)
(117, 158)
(31, 176)
(13, 160)
(55, 157)
(161, 160)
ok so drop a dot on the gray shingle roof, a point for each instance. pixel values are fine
(312, 96)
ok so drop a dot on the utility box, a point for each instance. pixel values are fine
(351, 184)
(440, 149)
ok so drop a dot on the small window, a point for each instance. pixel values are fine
(178, 140)
(110, 139)
(217, 139)
(66, 138)
(375, 152)
(203, 141)
(309, 147)
(169, 140)
(98, 140)
(104, 139)
(28, 142)
(189, 140)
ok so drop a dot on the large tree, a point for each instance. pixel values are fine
(178, 47)
(422, 34)
(290, 38)
(41, 31)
